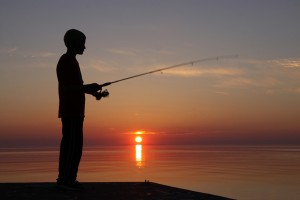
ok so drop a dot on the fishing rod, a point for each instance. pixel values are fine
(106, 93)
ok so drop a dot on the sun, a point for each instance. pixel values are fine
(138, 139)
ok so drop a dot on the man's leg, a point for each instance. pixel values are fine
(70, 149)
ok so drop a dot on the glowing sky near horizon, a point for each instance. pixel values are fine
(253, 99)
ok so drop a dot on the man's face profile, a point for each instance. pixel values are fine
(80, 47)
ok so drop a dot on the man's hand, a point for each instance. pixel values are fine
(96, 90)
(92, 88)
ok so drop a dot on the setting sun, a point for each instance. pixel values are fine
(138, 139)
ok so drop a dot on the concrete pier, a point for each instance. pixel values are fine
(100, 190)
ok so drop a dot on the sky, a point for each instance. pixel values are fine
(251, 99)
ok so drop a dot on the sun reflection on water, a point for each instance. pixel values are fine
(139, 155)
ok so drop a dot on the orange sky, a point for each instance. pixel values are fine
(253, 99)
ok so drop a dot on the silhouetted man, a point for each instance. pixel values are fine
(71, 108)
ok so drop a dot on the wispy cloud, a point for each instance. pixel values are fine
(8, 50)
(243, 82)
(194, 72)
(16, 51)
(222, 93)
(12, 50)
(165, 52)
(162, 132)
(143, 132)
(270, 76)
(122, 51)
(127, 51)
(42, 55)
(102, 66)
(294, 90)
(287, 63)
(263, 74)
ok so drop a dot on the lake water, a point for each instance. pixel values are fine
(240, 172)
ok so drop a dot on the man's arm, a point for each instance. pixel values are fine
(92, 88)
(88, 88)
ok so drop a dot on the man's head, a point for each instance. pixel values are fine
(75, 41)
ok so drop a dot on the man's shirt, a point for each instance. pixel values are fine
(71, 103)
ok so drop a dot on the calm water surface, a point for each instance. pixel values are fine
(265, 172)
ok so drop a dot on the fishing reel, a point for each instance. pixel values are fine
(101, 94)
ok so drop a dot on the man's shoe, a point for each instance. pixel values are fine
(69, 185)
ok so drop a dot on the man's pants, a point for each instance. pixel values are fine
(70, 148)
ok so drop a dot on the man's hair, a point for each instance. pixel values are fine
(72, 37)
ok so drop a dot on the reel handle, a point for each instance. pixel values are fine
(101, 94)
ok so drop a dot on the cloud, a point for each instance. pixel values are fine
(268, 75)
(43, 55)
(102, 66)
(165, 52)
(12, 50)
(122, 51)
(194, 72)
(288, 62)
(211, 67)
(297, 90)
(222, 93)
(17, 52)
(8, 50)
(141, 133)
(294, 90)
(242, 73)
(242, 82)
